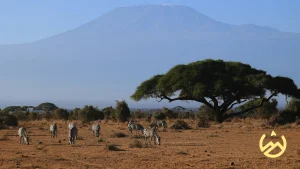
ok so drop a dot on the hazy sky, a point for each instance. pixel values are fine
(30, 20)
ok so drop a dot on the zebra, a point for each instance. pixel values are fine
(71, 125)
(159, 123)
(96, 130)
(73, 132)
(151, 132)
(53, 130)
(136, 126)
(24, 139)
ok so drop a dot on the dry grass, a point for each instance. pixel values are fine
(196, 148)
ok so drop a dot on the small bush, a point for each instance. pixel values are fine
(101, 140)
(276, 120)
(113, 147)
(180, 124)
(203, 120)
(119, 135)
(8, 120)
(180, 152)
(159, 116)
(136, 144)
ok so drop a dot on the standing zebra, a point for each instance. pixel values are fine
(73, 132)
(136, 126)
(71, 125)
(96, 130)
(53, 130)
(151, 132)
(24, 139)
(158, 123)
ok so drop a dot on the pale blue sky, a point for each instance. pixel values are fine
(30, 20)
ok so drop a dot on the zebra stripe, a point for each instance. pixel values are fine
(151, 133)
(24, 139)
(53, 130)
(96, 130)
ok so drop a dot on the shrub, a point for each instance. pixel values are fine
(205, 111)
(169, 113)
(276, 120)
(122, 111)
(101, 140)
(74, 114)
(159, 116)
(33, 116)
(180, 152)
(20, 115)
(8, 120)
(136, 144)
(60, 114)
(119, 134)
(113, 147)
(90, 113)
(180, 124)
(203, 120)
(138, 114)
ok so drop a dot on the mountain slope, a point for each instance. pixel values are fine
(106, 59)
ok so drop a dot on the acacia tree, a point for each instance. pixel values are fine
(218, 84)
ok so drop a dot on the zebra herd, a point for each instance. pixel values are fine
(150, 132)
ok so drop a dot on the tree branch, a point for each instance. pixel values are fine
(231, 106)
(251, 108)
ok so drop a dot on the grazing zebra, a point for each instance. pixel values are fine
(151, 132)
(136, 126)
(160, 123)
(24, 139)
(73, 132)
(53, 130)
(96, 130)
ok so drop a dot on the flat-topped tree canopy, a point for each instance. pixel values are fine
(216, 83)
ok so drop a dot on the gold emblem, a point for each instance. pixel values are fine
(272, 146)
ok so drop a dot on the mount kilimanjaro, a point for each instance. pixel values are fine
(105, 59)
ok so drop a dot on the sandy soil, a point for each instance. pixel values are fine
(216, 147)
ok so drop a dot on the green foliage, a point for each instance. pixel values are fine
(8, 120)
(138, 114)
(109, 113)
(122, 111)
(46, 107)
(74, 114)
(205, 112)
(266, 111)
(159, 116)
(90, 113)
(60, 114)
(12, 109)
(33, 116)
(180, 124)
(227, 82)
(47, 115)
(20, 115)
(169, 113)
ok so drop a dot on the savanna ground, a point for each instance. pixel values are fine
(214, 147)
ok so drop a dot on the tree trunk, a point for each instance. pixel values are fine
(218, 116)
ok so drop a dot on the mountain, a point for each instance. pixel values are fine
(105, 59)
